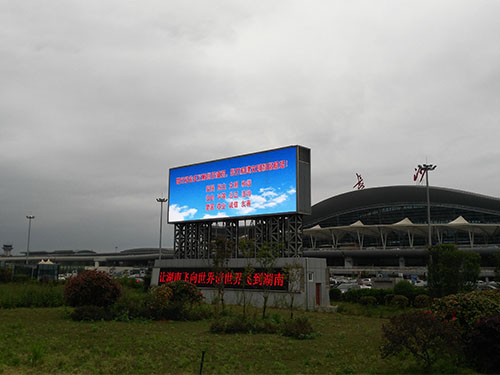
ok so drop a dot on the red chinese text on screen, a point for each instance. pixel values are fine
(249, 169)
(203, 278)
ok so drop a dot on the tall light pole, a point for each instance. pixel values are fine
(426, 168)
(29, 217)
(161, 201)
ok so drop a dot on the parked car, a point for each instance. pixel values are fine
(348, 286)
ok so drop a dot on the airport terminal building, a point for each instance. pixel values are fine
(373, 231)
(385, 229)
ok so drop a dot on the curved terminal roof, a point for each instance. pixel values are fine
(318, 228)
(380, 197)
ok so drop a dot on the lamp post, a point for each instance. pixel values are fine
(426, 168)
(161, 201)
(29, 217)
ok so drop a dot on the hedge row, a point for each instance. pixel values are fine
(418, 297)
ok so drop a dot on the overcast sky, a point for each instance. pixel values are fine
(98, 99)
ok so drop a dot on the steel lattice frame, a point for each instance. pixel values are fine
(192, 240)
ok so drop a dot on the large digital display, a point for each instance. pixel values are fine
(264, 183)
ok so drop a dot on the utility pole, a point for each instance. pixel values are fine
(29, 217)
(426, 168)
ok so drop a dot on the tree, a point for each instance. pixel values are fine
(496, 260)
(451, 270)
(267, 256)
(222, 250)
(246, 247)
(294, 274)
(422, 334)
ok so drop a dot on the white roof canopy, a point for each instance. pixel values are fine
(403, 226)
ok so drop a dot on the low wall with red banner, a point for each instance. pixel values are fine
(308, 280)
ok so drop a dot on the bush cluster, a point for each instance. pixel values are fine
(422, 301)
(92, 288)
(464, 309)
(5, 275)
(31, 294)
(368, 300)
(177, 300)
(95, 296)
(159, 302)
(335, 294)
(413, 296)
(400, 301)
(91, 313)
(483, 344)
(461, 323)
(130, 282)
(354, 295)
(298, 327)
(422, 334)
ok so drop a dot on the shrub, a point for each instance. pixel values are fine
(185, 296)
(130, 306)
(399, 301)
(185, 292)
(483, 345)
(423, 335)
(159, 302)
(368, 300)
(299, 328)
(231, 324)
(91, 313)
(147, 282)
(388, 298)
(199, 312)
(5, 275)
(130, 282)
(30, 295)
(421, 301)
(335, 294)
(404, 288)
(354, 295)
(20, 278)
(91, 288)
(467, 308)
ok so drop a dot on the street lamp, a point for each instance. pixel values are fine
(29, 217)
(161, 201)
(426, 168)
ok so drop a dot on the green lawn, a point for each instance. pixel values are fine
(44, 340)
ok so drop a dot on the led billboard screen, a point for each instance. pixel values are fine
(265, 183)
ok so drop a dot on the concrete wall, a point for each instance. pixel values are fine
(312, 288)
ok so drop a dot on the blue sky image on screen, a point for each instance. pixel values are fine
(257, 184)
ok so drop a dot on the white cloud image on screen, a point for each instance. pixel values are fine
(177, 213)
(267, 198)
(219, 214)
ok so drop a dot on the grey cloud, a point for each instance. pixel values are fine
(98, 100)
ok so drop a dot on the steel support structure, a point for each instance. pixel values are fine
(192, 240)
